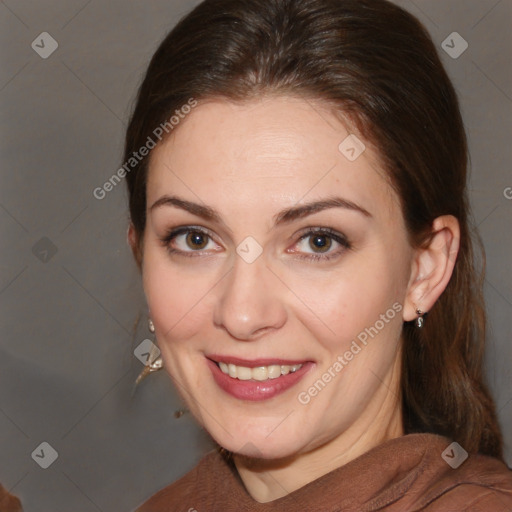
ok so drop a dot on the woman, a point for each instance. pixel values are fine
(297, 174)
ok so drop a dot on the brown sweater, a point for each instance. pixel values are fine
(406, 474)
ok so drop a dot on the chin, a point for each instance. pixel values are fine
(260, 443)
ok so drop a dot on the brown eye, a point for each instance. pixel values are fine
(197, 240)
(322, 242)
(319, 244)
(186, 241)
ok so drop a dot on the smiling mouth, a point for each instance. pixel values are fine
(259, 379)
(258, 373)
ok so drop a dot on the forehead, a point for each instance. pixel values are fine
(266, 151)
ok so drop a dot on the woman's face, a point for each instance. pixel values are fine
(305, 322)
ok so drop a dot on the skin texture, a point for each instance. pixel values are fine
(249, 161)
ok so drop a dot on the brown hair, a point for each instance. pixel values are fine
(379, 66)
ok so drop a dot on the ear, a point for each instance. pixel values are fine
(432, 267)
(133, 241)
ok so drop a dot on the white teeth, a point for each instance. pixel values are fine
(243, 373)
(259, 373)
(274, 371)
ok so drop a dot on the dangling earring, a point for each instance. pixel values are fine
(155, 363)
(419, 320)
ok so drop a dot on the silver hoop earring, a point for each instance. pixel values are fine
(151, 325)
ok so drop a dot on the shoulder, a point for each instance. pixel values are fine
(479, 484)
(417, 472)
(190, 492)
(430, 473)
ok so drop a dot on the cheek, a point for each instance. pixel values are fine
(339, 303)
(176, 298)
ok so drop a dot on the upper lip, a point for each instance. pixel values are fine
(253, 363)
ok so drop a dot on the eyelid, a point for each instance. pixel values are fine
(320, 229)
(187, 227)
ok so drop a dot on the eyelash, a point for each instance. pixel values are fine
(330, 233)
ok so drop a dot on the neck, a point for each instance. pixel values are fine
(269, 479)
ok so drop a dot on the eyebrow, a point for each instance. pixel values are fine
(285, 216)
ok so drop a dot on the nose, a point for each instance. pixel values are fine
(250, 302)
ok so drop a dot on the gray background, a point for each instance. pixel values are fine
(72, 318)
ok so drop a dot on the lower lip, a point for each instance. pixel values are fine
(256, 390)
